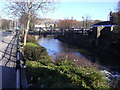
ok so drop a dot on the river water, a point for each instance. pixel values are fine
(55, 47)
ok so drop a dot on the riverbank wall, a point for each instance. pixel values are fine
(80, 40)
(106, 46)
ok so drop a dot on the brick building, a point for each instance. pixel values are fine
(115, 17)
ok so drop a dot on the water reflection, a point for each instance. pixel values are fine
(54, 46)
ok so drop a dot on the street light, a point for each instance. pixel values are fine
(83, 24)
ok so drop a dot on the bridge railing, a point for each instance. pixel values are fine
(60, 31)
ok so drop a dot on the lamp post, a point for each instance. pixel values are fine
(83, 25)
(83, 22)
(86, 24)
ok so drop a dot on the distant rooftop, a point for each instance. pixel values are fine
(115, 13)
(104, 23)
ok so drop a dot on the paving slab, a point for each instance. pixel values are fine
(8, 61)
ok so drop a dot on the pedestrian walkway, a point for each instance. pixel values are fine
(8, 62)
(8, 50)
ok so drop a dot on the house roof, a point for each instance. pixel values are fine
(116, 13)
(104, 23)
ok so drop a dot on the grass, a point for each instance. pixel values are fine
(32, 44)
(2, 30)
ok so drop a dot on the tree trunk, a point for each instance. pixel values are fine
(26, 30)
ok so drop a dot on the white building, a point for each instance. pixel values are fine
(46, 24)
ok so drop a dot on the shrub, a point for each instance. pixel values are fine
(46, 62)
(35, 52)
(30, 38)
(65, 75)
(74, 58)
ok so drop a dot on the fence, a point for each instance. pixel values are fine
(18, 67)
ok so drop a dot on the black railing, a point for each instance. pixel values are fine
(18, 66)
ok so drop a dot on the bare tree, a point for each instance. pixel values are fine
(87, 21)
(27, 8)
(33, 22)
(118, 7)
(68, 23)
(0, 22)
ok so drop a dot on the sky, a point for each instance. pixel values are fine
(76, 9)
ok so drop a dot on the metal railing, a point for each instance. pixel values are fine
(18, 66)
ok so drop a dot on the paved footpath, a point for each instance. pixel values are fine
(8, 61)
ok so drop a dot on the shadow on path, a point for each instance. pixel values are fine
(8, 77)
(8, 64)
(9, 54)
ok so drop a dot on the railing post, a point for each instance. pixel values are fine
(18, 68)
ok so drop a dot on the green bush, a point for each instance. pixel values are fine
(65, 76)
(35, 52)
(64, 62)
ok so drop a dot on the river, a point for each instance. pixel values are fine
(54, 47)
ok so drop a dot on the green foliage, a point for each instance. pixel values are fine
(2, 30)
(65, 74)
(32, 44)
(35, 52)
(46, 62)
(64, 62)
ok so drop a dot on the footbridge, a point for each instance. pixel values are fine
(56, 31)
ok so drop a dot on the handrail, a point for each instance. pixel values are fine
(18, 67)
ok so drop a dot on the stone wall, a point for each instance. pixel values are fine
(80, 40)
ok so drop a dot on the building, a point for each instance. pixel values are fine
(102, 27)
(46, 24)
(105, 26)
(114, 17)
